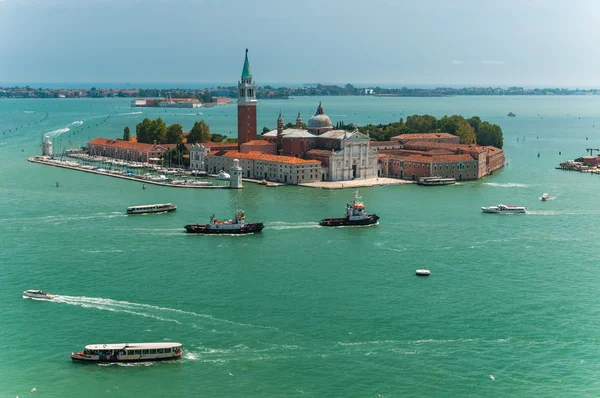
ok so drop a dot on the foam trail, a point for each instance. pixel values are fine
(506, 184)
(278, 225)
(139, 309)
(55, 133)
(76, 123)
(130, 113)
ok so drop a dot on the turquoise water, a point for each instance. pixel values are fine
(302, 310)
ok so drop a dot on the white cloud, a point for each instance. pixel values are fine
(491, 62)
(456, 62)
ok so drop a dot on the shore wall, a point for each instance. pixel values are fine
(40, 161)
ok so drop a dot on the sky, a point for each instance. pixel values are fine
(395, 42)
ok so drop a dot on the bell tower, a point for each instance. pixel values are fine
(246, 105)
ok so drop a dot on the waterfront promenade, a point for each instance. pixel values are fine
(361, 183)
(36, 159)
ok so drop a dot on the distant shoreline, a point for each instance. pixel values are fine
(270, 92)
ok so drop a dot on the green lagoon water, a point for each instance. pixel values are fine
(300, 310)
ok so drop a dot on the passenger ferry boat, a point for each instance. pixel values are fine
(355, 215)
(38, 294)
(504, 209)
(236, 226)
(128, 352)
(157, 208)
(431, 181)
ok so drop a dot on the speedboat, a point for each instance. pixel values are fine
(38, 294)
(504, 209)
(223, 175)
(545, 197)
(423, 272)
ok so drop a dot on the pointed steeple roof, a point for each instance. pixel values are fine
(246, 72)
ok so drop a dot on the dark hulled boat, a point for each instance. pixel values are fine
(237, 226)
(355, 216)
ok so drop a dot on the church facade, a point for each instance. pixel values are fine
(343, 155)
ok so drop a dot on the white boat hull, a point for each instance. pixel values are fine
(494, 211)
(42, 296)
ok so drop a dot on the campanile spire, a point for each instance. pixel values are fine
(246, 105)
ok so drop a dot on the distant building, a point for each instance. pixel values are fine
(126, 150)
(344, 155)
(262, 166)
(425, 156)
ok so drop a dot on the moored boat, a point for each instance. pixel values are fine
(38, 294)
(504, 209)
(433, 181)
(355, 215)
(545, 197)
(237, 226)
(129, 352)
(156, 208)
(223, 175)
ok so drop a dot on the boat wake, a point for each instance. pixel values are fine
(280, 225)
(130, 113)
(506, 184)
(57, 132)
(164, 314)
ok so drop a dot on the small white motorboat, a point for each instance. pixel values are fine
(504, 209)
(423, 272)
(38, 294)
(545, 197)
(223, 175)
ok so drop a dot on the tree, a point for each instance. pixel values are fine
(126, 134)
(218, 137)
(199, 133)
(465, 132)
(174, 134)
(142, 130)
(421, 123)
(490, 134)
(158, 131)
(265, 130)
(475, 121)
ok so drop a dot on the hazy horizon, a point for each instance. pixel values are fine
(461, 43)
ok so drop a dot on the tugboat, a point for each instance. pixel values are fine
(236, 226)
(355, 215)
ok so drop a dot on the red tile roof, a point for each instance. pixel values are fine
(258, 142)
(319, 152)
(423, 136)
(269, 158)
(134, 146)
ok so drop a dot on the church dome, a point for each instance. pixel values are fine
(320, 122)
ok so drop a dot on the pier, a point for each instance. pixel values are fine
(44, 161)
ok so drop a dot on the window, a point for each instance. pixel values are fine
(152, 351)
(138, 352)
(145, 352)
(160, 351)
